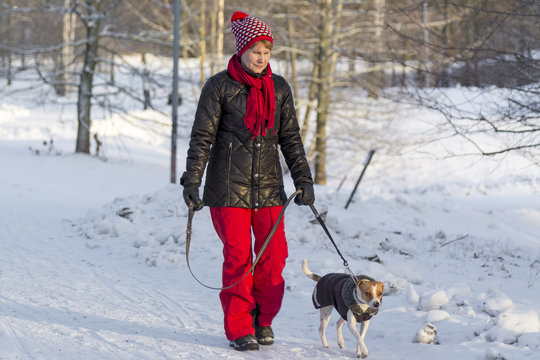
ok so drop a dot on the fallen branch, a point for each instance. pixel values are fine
(459, 238)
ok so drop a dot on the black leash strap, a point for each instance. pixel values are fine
(345, 263)
(261, 251)
(191, 213)
(319, 218)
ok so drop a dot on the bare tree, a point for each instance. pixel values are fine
(419, 45)
(376, 76)
(92, 15)
(68, 49)
(325, 80)
(202, 42)
(219, 34)
(76, 37)
(489, 45)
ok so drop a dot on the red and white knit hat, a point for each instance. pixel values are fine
(248, 30)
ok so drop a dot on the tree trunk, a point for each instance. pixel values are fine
(8, 42)
(292, 56)
(202, 41)
(444, 79)
(220, 31)
(212, 37)
(184, 20)
(376, 77)
(323, 91)
(336, 30)
(68, 52)
(427, 67)
(84, 101)
(311, 99)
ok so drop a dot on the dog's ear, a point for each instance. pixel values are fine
(380, 289)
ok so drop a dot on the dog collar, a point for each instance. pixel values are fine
(347, 292)
(360, 308)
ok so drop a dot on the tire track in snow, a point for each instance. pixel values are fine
(55, 293)
(12, 347)
(13, 265)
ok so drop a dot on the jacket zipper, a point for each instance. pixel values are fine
(229, 157)
(277, 163)
(229, 161)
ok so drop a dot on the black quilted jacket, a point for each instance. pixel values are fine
(242, 171)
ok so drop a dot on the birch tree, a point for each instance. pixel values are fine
(68, 49)
(7, 31)
(202, 41)
(324, 89)
(91, 16)
(376, 76)
(220, 27)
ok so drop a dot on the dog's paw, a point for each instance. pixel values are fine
(325, 343)
(363, 356)
(362, 352)
(341, 343)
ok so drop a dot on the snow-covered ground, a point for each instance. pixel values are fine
(92, 251)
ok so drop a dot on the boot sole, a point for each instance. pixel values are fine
(267, 341)
(247, 347)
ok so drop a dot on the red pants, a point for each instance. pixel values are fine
(265, 286)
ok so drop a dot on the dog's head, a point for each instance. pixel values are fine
(370, 292)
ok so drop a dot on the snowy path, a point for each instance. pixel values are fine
(61, 300)
(79, 282)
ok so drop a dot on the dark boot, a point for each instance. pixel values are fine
(248, 342)
(264, 334)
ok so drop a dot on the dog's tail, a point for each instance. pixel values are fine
(309, 274)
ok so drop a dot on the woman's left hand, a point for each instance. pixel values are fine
(307, 197)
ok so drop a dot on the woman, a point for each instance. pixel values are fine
(244, 114)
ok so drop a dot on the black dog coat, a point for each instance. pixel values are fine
(338, 290)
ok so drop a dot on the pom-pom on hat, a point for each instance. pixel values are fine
(248, 30)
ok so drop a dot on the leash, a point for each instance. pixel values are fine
(191, 213)
(345, 263)
(259, 255)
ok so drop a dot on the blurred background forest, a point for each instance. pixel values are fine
(402, 51)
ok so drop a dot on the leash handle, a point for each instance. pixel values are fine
(191, 213)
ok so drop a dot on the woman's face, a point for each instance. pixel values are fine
(256, 58)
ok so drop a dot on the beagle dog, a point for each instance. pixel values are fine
(356, 299)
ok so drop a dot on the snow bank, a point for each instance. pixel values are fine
(457, 310)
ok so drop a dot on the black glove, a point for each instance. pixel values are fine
(307, 197)
(191, 197)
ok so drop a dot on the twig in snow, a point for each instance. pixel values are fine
(532, 278)
(459, 238)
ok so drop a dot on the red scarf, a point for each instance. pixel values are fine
(261, 101)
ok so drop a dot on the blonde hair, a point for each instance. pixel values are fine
(267, 44)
